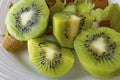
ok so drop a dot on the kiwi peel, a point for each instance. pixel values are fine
(12, 45)
(11, 4)
(49, 58)
(34, 25)
(98, 52)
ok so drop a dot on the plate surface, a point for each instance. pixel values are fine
(18, 67)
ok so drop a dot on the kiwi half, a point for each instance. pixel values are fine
(65, 28)
(98, 51)
(27, 19)
(49, 58)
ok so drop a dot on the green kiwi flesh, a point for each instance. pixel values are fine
(70, 8)
(80, 1)
(49, 58)
(84, 8)
(65, 28)
(27, 19)
(87, 21)
(98, 51)
(98, 14)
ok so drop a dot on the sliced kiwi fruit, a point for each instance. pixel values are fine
(70, 8)
(84, 8)
(98, 14)
(27, 19)
(12, 45)
(49, 58)
(87, 21)
(65, 28)
(98, 51)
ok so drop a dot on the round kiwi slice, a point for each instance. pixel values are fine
(49, 58)
(27, 19)
(98, 51)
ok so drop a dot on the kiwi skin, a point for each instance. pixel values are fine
(106, 68)
(12, 45)
(61, 68)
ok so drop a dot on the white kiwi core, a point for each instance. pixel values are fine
(50, 53)
(99, 45)
(26, 16)
(74, 22)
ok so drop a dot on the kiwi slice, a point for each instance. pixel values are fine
(49, 58)
(12, 45)
(65, 28)
(87, 21)
(70, 8)
(27, 19)
(84, 8)
(98, 14)
(98, 51)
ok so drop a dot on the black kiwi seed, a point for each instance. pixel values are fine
(86, 35)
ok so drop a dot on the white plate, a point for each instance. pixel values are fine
(18, 67)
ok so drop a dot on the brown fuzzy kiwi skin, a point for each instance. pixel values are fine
(99, 3)
(12, 45)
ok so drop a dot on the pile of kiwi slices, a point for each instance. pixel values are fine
(71, 25)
